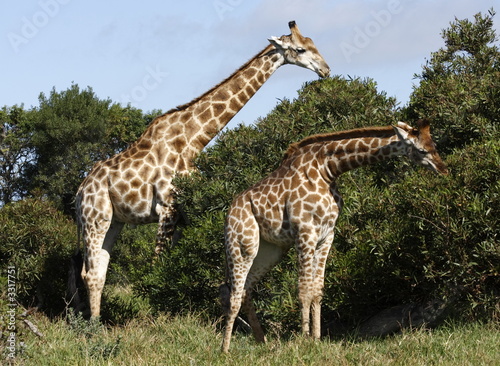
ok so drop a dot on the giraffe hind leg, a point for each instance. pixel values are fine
(96, 264)
(239, 266)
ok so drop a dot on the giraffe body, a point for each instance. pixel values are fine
(297, 206)
(135, 186)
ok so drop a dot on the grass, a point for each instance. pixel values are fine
(189, 340)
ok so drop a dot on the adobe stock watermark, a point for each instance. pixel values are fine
(11, 333)
(364, 35)
(152, 79)
(31, 25)
(224, 6)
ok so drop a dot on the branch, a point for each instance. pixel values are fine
(429, 221)
(33, 328)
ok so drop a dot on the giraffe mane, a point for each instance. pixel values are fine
(385, 131)
(182, 107)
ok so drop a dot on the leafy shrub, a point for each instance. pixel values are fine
(37, 240)
(187, 277)
(424, 238)
(460, 84)
(131, 260)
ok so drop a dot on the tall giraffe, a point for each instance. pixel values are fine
(135, 186)
(298, 205)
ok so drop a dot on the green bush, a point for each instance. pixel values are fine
(460, 84)
(37, 240)
(423, 238)
(131, 261)
(187, 277)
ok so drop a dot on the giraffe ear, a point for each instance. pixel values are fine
(278, 43)
(402, 130)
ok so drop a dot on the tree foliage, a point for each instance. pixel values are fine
(16, 153)
(50, 148)
(460, 84)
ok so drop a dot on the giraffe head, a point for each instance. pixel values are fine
(301, 51)
(419, 145)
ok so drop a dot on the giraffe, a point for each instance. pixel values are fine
(135, 185)
(298, 205)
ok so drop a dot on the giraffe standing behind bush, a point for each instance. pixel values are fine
(298, 205)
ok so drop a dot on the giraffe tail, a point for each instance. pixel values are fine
(225, 291)
(224, 297)
(74, 276)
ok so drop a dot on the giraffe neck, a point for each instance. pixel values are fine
(340, 152)
(190, 127)
(352, 153)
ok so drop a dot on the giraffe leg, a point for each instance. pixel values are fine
(306, 244)
(249, 309)
(167, 221)
(96, 263)
(305, 300)
(267, 257)
(320, 257)
(240, 253)
(237, 295)
(234, 308)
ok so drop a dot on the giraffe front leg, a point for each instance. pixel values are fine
(306, 244)
(320, 258)
(94, 277)
(166, 227)
(316, 317)
(305, 307)
(305, 293)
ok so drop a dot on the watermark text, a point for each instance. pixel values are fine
(31, 25)
(363, 35)
(225, 6)
(151, 80)
(11, 312)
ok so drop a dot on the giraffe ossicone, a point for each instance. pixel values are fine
(297, 205)
(135, 186)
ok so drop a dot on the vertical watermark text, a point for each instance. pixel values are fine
(11, 312)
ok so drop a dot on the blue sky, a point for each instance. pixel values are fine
(158, 54)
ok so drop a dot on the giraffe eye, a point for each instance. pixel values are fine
(301, 50)
(422, 151)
